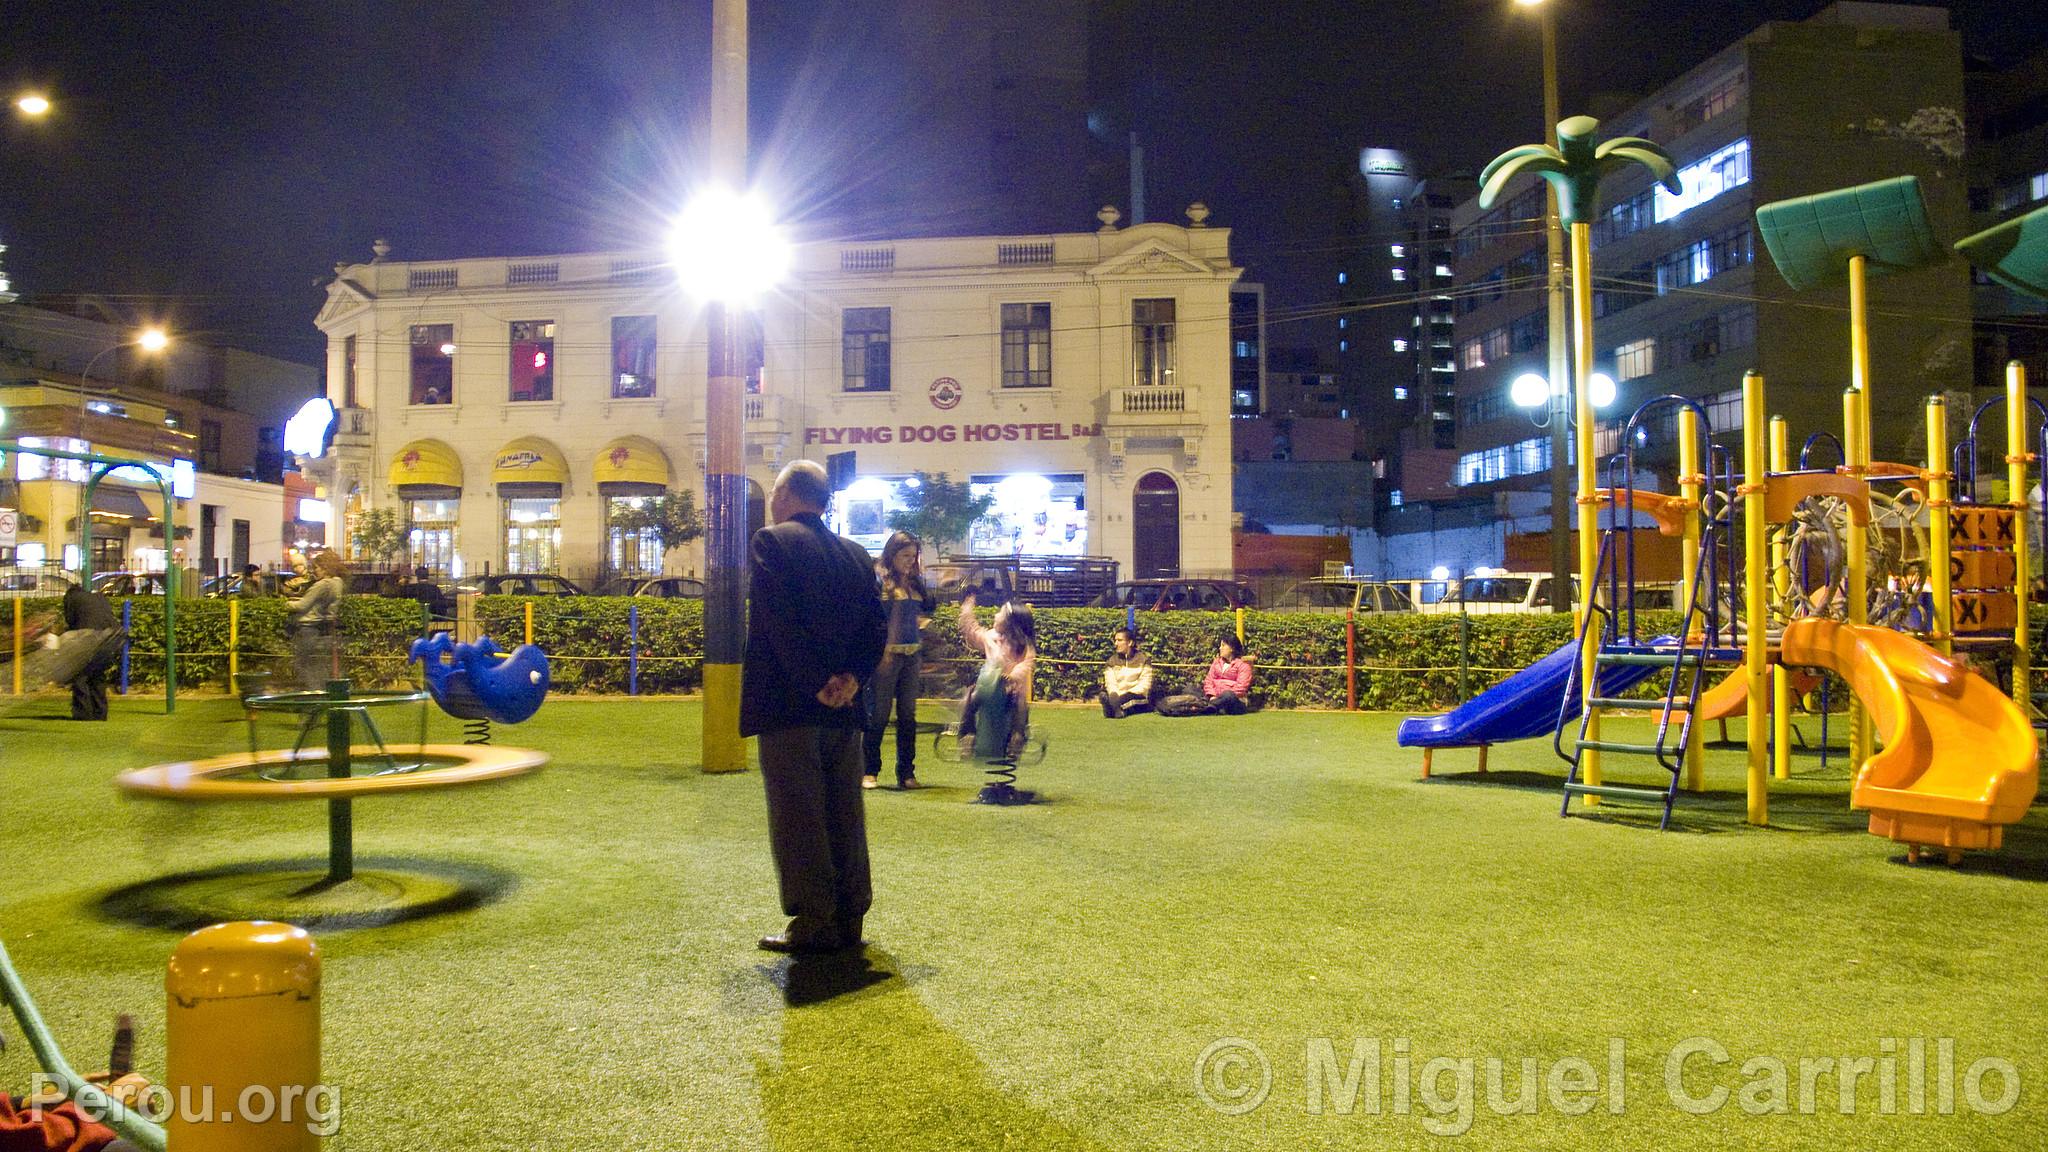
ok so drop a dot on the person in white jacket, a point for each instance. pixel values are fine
(1126, 678)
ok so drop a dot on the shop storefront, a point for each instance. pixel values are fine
(530, 475)
(1031, 514)
(426, 477)
(630, 471)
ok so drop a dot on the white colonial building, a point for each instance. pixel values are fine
(508, 406)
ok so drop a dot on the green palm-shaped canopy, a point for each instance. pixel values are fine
(1576, 166)
(2014, 253)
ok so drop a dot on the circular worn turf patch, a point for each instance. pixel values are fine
(384, 890)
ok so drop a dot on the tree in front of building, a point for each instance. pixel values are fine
(672, 518)
(379, 535)
(940, 511)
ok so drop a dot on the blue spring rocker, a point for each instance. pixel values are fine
(479, 683)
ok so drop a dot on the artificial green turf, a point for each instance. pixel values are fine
(1046, 977)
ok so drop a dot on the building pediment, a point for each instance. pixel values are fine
(1151, 258)
(343, 297)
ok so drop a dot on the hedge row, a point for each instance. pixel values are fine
(1407, 662)
(1401, 661)
(375, 635)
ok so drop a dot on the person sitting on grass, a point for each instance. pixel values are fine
(997, 711)
(1229, 680)
(1126, 678)
(1223, 690)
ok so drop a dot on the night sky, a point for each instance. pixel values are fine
(217, 159)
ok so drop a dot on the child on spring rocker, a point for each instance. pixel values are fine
(996, 714)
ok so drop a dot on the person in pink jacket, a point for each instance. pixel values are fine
(1229, 680)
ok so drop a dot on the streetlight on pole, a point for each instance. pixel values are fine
(1560, 363)
(726, 251)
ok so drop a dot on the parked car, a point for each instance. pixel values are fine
(1338, 595)
(1169, 594)
(238, 585)
(667, 587)
(1493, 592)
(374, 583)
(115, 585)
(520, 584)
(18, 583)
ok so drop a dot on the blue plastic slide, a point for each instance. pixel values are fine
(1522, 707)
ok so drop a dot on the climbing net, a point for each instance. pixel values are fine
(1812, 577)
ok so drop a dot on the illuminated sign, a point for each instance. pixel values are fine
(305, 434)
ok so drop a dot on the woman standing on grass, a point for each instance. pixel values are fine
(314, 617)
(909, 604)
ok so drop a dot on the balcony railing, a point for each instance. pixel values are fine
(1150, 400)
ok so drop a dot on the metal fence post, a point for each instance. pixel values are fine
(632, 649)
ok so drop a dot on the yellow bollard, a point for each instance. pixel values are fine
(529, 621)
(234, 645)
(1240, 625)
(242, 1042)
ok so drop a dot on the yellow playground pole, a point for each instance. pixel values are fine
(1240, 624)
(2017, 457)
(1689, 488)
(234, 642)
(1589, 507)
(1943, 626)
(1781, 588)
(1854, 429)
(529, 621)
(1754, 662)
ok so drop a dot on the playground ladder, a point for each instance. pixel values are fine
(1611, 628)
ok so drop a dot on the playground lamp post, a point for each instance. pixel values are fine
(727, 252)
(1560, 364)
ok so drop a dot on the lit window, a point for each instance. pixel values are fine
(1343, 277)
(1400, 345)
(1343, 322)
(1400, 393)
(2037, 186)
(433, 363)
(533, 360)
(1727, 168)
(1443, 270)
(1027, 346)
(1343, 345)
(1397, 250)
(1394, 497)
(1152, 326)
(632, 356)
(864, 349)
(1636, 358)
(1400, 274)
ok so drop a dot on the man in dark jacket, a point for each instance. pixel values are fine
(89, 611)
(815, 631)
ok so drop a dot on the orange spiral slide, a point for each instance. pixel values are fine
(1960, 760)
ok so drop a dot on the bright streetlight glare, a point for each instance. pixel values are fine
(1600, 389)
(1529, 390)
(1439, 573)
(1530, 3)
(34, 104)
(726, 247)
(153, 340)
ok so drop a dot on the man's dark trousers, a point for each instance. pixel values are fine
(89, 690)
(817, 830)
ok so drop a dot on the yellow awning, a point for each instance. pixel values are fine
(529, 460)
(632, 460)
(426, 462)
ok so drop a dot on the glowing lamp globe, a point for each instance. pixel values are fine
(726, 247)
(1529, 390)
(1600, 389)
